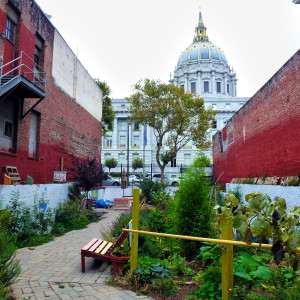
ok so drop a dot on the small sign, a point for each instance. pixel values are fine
(60, 176)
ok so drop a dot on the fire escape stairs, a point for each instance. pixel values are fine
(23, 81)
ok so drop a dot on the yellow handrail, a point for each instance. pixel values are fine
(227, 251)
(199, 239)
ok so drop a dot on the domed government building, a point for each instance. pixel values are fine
(202, 69)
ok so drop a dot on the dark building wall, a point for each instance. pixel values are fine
(263, 137)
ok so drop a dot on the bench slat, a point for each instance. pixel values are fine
(106, 248)
(101, 247)
(90, 244)
(95, 246)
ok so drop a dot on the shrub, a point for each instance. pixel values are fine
(193, 207)
(9, 267)
(149, 188)
(70, 215)
(120, 223)
(29, 225)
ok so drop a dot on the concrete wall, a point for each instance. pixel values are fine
(290, 193)
(263, 136)
(29, 194)
(70, 75)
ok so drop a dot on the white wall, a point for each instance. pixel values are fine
(54, 193)
(70, 75)
(290, 193)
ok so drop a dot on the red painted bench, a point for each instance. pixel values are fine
(100, 250)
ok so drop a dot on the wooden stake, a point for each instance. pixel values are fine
(135, 226)
(227, 262)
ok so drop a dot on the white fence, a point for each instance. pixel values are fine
(290, 193)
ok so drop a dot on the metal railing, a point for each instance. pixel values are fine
(35, 74)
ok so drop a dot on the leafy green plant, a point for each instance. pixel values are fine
(193, 207)
(249, 268)
(165, 286)
(263, 219)
(152, 272)
(120, 223)
(149, 188)
(210, 284)
(211, 253)
(9, 266)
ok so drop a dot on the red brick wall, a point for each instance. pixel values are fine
(67, 130)
(263, 137)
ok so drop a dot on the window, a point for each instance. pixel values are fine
(122, 140)
(173, 163)
(121, 158)
(39, 45)
(107, 156)
(218, 87)
(193, 87)
(214, 124)
(136, 126)
(108, 142)
(33, 134)
(8, 129)
(10, 30)
(187, 159)
(122, 125)
(228, 88)
(182, 86)
(136, 140)
(206, 86)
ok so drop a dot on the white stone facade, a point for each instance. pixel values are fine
(201, 69)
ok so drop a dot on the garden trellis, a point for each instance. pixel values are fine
(226, 241)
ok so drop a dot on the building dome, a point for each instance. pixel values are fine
(201, 51)
(202, 68)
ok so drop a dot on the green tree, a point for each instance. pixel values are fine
(137, 163)
(111, 163)
(176, 117)
(108, 114)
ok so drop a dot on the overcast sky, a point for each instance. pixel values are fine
(123, 41)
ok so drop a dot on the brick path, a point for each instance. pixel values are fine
(53, 270)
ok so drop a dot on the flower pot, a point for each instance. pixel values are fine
(118, 263)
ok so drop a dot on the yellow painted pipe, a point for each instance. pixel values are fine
(199, 239)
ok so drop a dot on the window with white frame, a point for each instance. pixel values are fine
(206, 86)
(136, 140)
(187, 159)
(108, 142)
(122, 141)
(122, 125)
(218, 87)
(193, 87)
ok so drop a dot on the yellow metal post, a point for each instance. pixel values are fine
(227, 261)
(135, 226)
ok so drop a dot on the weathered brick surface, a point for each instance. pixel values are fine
(264, 136)
(66, 130)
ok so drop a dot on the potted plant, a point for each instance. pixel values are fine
(119, 258)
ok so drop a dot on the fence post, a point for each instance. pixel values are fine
(227, 261)
(135, 226)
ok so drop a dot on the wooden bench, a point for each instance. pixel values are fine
(100, 250)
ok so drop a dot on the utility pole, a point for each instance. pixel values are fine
(127, 152)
